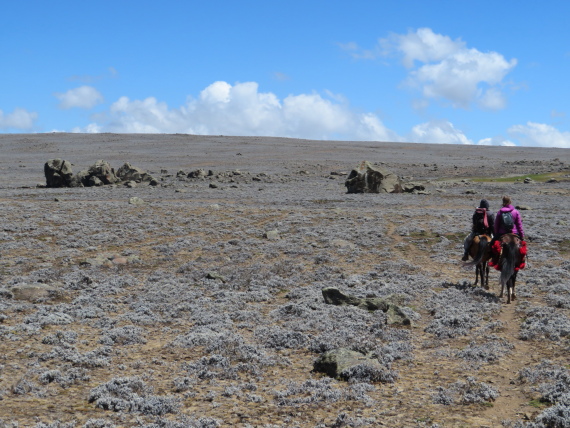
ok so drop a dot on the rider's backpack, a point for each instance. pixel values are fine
(507, 220)
(480, 221)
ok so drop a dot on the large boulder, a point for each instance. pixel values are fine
(372, 179)
(102, 171)
(394, 314)
(345, 364)
(131, 173)
(58, 173)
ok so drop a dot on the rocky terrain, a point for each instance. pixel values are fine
(198, 302)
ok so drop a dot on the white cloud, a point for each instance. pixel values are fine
(423, 45)
(449, 70)
(18, 119)
(82, 97)
(241, 109)
(437, 132)
(540, 134)
(495, 141)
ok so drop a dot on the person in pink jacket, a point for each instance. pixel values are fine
(508, 220)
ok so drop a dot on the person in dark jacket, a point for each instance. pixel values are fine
(483, 223)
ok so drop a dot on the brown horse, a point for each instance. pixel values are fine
(480, 252)
(509, 259)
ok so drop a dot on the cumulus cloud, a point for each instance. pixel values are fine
(438, 132)
(241, 109)
(495, 141)
(423, 45)
(540, 134)
(18, 119)
(444, 69)
(82, 97)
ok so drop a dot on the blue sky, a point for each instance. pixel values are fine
(482, 72)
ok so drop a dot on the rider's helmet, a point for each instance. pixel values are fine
(484, 204)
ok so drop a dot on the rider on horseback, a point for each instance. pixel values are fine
(483, 224)
(504, 224)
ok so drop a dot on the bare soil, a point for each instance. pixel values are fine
(192, 276)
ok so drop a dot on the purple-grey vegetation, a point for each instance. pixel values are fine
(205, 299)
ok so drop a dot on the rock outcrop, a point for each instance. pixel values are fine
(58, 173)
(131, 173)
(372, 179)
(395, 315)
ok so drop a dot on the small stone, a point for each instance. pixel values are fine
(135, 200)
(272, 235)
(216, 275)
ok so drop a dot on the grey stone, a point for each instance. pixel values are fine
(272, 235)
(199, 173)
(413, 187)
(371, 179)
(95, 181)
(131, 184)
(128, 172)
(58, 173)
(102, 171)
(135, 200)
(216, 275)
(336, 362)
(395, 315)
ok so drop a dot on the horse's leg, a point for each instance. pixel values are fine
(486, 274)
(511, 288)
(514, 278)
(476, 276)
(502, 288)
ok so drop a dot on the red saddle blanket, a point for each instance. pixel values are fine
(496, 253)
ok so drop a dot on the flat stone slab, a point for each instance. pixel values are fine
(395, 315)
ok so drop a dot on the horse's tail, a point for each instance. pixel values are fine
(508, 261)
(482, 249)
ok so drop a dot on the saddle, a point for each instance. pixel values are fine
(497, 250)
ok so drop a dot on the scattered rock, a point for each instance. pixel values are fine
(272, 235)
(370, 179)
(413, 187)
(216, 275)
(130, 184)
(338, 362)
(528, 180)
(135, 200)
(199, 173)
(333, 296)
(213, 186)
